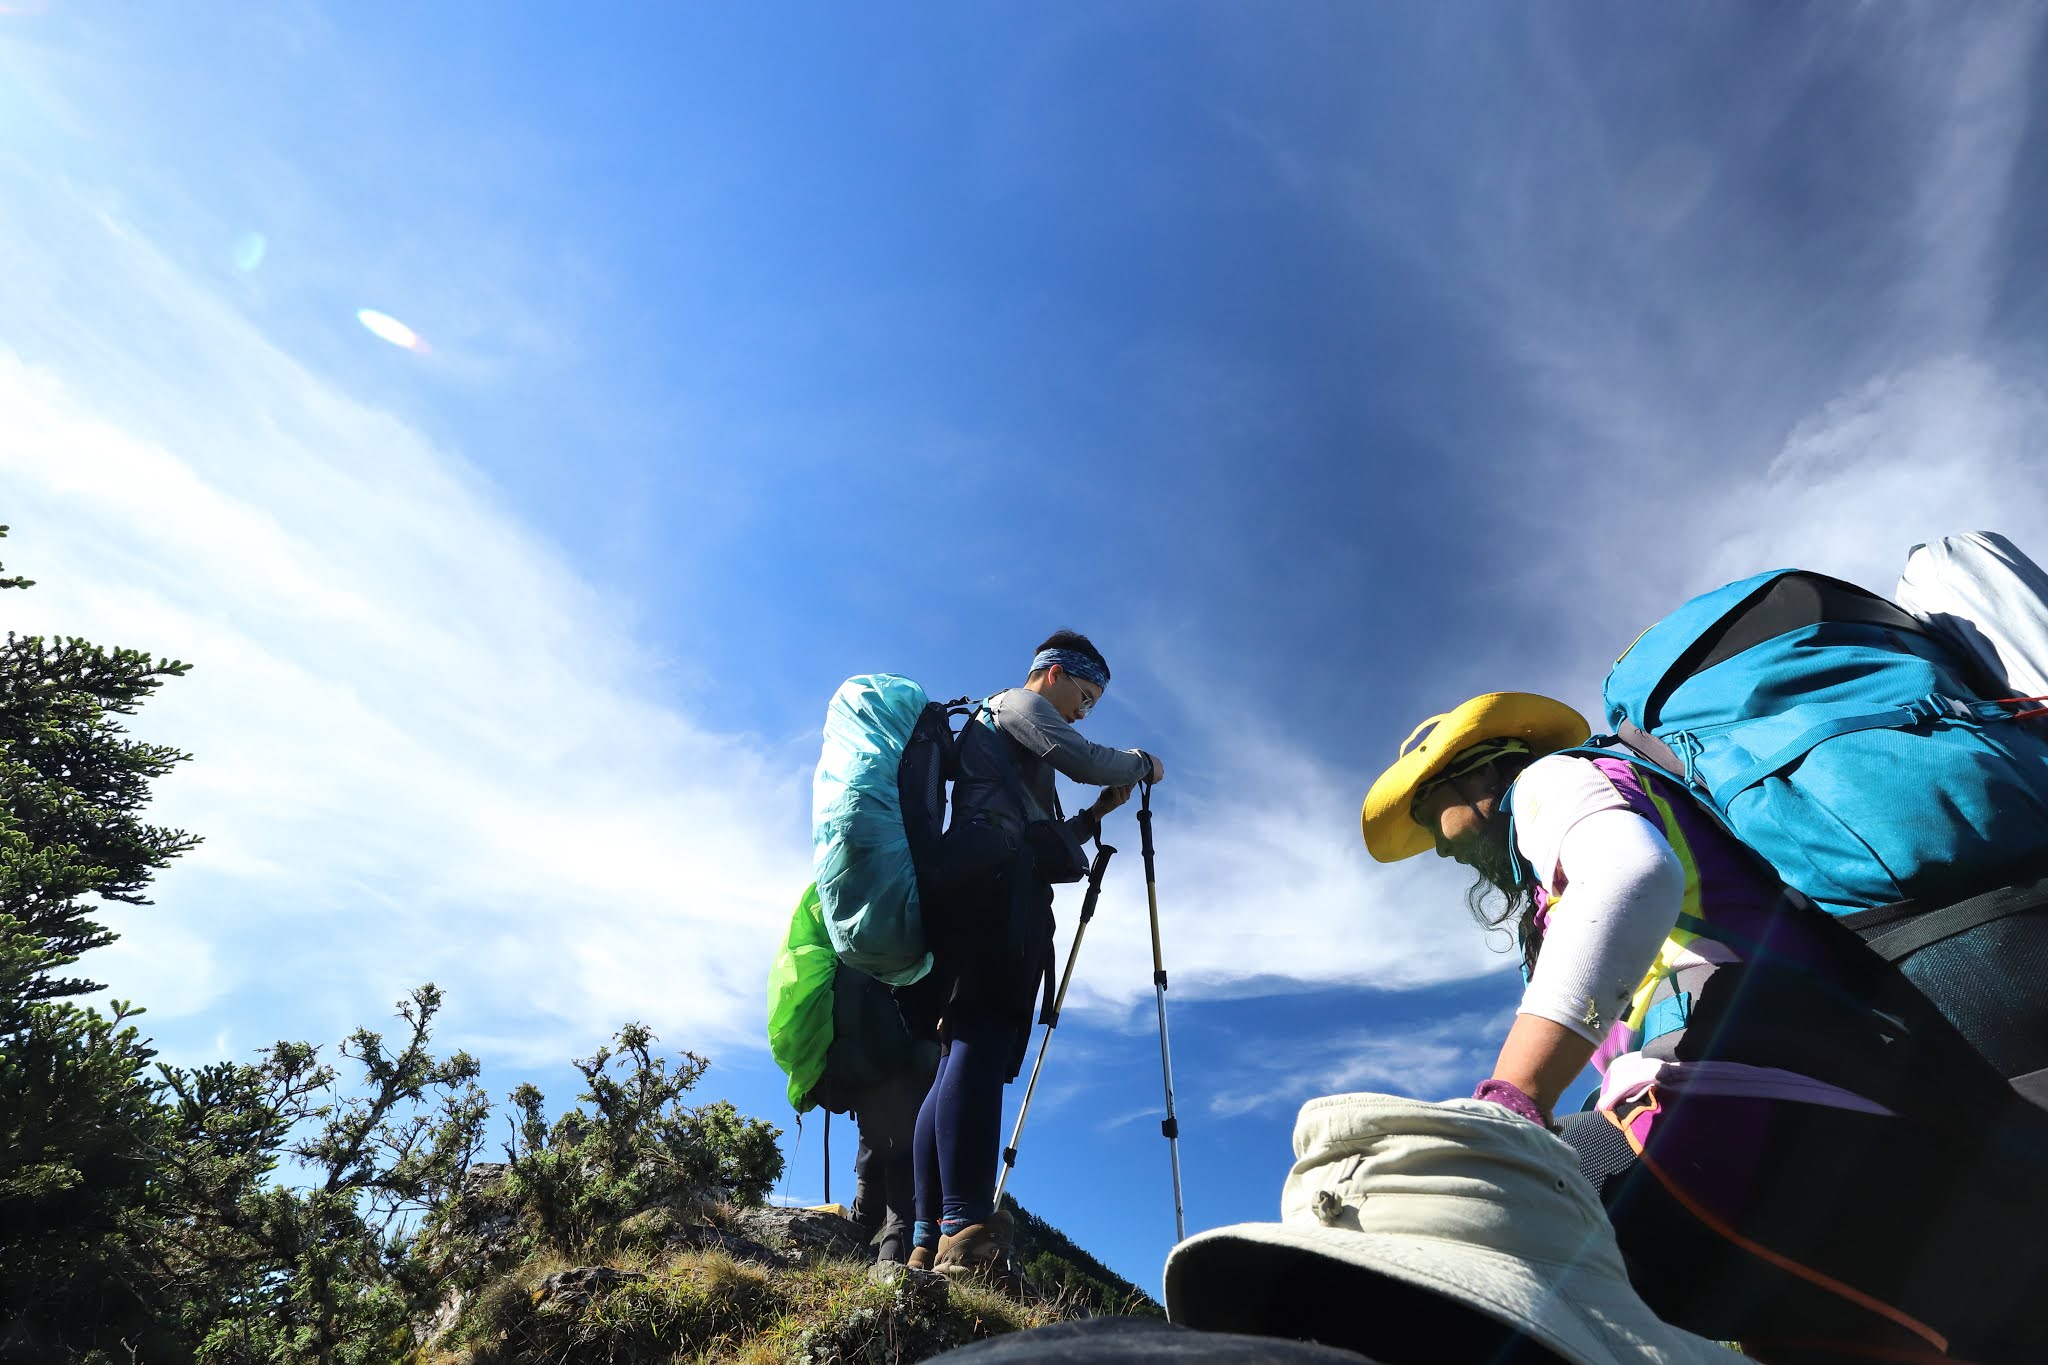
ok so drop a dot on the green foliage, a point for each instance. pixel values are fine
(72, 789)
(321, 1268)
(79, 1127)
(637, 1146)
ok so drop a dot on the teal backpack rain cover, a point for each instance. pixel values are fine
(861, 852)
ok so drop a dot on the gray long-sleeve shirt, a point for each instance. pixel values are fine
(1036, 725)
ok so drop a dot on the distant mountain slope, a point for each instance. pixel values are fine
(1054, 1264)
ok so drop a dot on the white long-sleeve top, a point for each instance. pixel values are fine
(1615, 889)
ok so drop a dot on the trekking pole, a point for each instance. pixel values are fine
(1051, 1020)
(1171, 1127)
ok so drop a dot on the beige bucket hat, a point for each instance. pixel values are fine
(1417, 1231)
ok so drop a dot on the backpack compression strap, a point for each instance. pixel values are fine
(1897, 931)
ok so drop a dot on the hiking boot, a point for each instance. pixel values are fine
(920, 1258)
(980, 1248)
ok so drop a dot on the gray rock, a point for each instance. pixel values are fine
(697, 1237)
(653, 1229)
(483, 1185)
(929, 1286)
(908, 1321)
(482, 1218)
(804, 1232)
(479, 1235)
(441, 1318)
(574, 1288)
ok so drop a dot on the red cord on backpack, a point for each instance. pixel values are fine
(2021, 715)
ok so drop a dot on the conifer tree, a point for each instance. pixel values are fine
(78, 1117)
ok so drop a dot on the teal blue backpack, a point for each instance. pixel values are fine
(878, 805)
(1839, 739)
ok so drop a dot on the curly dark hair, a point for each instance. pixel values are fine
(1075, 641)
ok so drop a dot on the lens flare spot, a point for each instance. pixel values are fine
(391, 329)
(250, 249)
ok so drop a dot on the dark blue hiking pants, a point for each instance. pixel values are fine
(959, 1127)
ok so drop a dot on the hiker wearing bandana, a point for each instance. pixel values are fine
(1796, 1150)
(991, 929)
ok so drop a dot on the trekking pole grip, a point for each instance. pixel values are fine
(1145, 828)
(1103, 853)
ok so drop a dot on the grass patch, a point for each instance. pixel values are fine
(704, 1306)
(836, 1317)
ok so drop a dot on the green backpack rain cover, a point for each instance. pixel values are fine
(800, 1000)
(861, 854)
(834, 1031)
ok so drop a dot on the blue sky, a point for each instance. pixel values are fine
(1327, 363)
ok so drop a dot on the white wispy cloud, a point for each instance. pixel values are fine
(1951, 444)
(1264, 884)
(426, 749)
(1429, 1061)
(1728, 384)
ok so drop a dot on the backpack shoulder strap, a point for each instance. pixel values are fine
(1006, 763)
(1621, 747)
(1640, 743)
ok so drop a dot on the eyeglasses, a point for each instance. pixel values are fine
(1087, 702)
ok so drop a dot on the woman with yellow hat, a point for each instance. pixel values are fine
(1793, 1146)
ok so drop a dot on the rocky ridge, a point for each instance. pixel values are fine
(707, 1280)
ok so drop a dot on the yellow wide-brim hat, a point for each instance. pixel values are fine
(1543, 724)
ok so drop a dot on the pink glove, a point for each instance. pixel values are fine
(1510, 1097)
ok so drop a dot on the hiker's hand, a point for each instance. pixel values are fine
(1158, 769)
(1111, 798)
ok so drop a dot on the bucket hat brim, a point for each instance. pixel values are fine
(1544, 724)
(1585, 1318)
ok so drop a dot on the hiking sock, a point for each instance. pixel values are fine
(925, 1235)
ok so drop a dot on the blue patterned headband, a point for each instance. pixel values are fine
(1074, 662)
